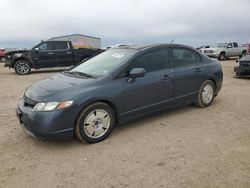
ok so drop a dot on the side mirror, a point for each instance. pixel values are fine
(36, 49)
(229, 46)
(137, 72)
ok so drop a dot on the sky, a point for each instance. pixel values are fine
(190, 22)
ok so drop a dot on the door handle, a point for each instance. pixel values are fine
(50, 53)
(68, 53)
(166, 77)
(197, 70)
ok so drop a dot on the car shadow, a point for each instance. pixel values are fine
(121, 127)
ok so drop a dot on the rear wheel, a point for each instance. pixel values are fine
(206, 94)
(221, 56)
(22, 67)
(95, 123)
(244, 53)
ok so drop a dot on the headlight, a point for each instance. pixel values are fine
(41, 106)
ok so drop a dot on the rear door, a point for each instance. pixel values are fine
(189, 71)
(236, 49)
(153, 90)
(63, 53)
(43, 55)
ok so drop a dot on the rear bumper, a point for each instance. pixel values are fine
(242, 71)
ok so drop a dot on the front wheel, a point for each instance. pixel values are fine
(22, 67)
(95, 123)
(221, 56)
(206, 94)
(3, 59)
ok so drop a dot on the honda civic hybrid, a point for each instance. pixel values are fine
(119, 85)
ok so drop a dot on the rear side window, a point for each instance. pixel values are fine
(154, 60)
(184, 57)
(61, 45)
(235, 44)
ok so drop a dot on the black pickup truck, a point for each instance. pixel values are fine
(48, 54)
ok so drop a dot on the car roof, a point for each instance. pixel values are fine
(145, 47)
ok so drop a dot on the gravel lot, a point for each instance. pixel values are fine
(188, 147)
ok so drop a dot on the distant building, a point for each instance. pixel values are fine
(80, 41)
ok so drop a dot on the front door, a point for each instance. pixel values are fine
(43, 55)
(152, 91)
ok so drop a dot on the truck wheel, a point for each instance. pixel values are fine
(22, 67)
(221, 56)
(244, 53)
(3, 59)
(95, 123)
(206, 94)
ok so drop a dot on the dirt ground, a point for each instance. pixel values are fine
(188, 147)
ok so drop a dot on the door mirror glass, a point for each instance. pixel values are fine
(137, 72)
(229, 46)
(36, 49)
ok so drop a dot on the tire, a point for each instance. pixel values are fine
(95, 123)
(221, 56)
(3, 59)
(244, 53)
(206, 94)
(22, 67)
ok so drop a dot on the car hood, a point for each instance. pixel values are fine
(57, 84)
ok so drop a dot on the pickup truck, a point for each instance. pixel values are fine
(48, 54)
(225, 50)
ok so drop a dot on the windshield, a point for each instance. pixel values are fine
(219, 45)
(105, 63)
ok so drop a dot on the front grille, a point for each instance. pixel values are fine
(29, 102)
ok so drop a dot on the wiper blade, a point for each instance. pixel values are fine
(78, 73)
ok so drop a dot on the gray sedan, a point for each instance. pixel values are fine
(118, 85)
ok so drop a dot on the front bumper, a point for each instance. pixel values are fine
(57, 124)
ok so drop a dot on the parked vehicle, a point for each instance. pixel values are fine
(116, 86)
(48, 54)
(2, 55)
(201, 48)
(225, 50)
(246, 46)
(243, 68)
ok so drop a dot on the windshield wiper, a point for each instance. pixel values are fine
(78, 73)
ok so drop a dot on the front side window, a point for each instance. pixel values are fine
(45, 46)
(229, 45)
(152, 61)
(183, 57)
